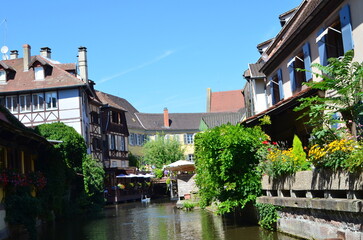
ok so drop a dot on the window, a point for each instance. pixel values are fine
(335, 39)
(114, 117)
(302, 60)
(51, 100)
(2, 101)
(189, 138)
(25, 103)
(111, 142)
(276, 86)
(39, 73)
(96, 143)
(38, 101)
(121, 142)
(138, 139)
(2, 76)
(113, 164)
(131, 139)
(190, 157)
(94, 118)
(12, 103)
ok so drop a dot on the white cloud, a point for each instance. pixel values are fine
(155, 60)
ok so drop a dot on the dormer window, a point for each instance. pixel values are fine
(39, 73)
(2, 76)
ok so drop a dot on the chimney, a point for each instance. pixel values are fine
(14, 54)
(209, 93)
(166, 118)
(26, 57)
(45, 52)
(82, 63)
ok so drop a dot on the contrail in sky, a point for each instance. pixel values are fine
(155, 60)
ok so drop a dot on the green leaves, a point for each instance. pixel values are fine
(342, 85)
(162, 151)
(226, 160)
(268, 215)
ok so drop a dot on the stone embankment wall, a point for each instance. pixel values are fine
(318, 205)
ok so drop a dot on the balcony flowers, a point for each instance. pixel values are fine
(121, 186)
(11, 177)
(343, 154)
(280, 162)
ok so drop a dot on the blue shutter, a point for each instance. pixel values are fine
(281, 89)
(307, 61)
(346, 24)
(292, 74)
(272, 91)
(322, 49)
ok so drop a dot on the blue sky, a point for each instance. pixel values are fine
(154, 53)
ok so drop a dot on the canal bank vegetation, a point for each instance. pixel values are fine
(226, 164)
(335, 146)
(67, 182)
(230, 160)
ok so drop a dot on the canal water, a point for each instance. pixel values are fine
(156, 220)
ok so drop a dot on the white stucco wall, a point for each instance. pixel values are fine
(356, 9)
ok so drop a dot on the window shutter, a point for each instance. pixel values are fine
(281, 89)
(322, 49)
(346, 24)
(307, 61)
(272, 91)
(292, 74)
(185, 138)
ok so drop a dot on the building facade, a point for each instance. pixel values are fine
(315, 31)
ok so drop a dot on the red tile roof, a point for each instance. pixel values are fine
(227, 101)
(25, 81)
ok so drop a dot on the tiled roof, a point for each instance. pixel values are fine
(67, 66)
(247, 73)
(227, 101)
(25, 80)
(111, 100)
(117, 102)
(255, 70)
(178, 121)
(298, 28)
(217, 119)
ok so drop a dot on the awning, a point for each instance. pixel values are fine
(135, 176)
(181, 165)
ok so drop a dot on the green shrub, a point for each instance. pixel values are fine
(226, 160)
(159, 173)
(268, 215)
(187, 205)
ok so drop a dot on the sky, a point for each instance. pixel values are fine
(153, 53)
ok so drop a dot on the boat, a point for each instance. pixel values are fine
(145, 200)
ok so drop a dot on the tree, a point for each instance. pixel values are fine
(342, 83)
(84, 176)
(72, 146)
(226, 165)
(93, 177)
(162, 151)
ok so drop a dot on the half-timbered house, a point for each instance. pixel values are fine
(37, 89)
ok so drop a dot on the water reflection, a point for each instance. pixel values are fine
(154, 221)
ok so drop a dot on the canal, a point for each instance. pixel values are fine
(156, 220)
